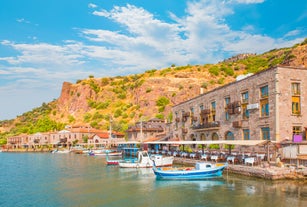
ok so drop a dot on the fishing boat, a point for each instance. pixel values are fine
(113, 162)
(146, 161)
(105, 153)
(117, 161)
(201, 170)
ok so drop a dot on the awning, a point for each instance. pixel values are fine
(230, 142)
(129, 142)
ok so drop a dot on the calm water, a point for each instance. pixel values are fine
(77, 180)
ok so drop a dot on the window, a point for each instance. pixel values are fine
(297, 134)
(230, 136)
(264, 101)
(296, 98)
(213, 108)
(297, 130)
(201, 107)
(265, 133)
(264, 91)
(295, 89)
(246, 134)
(215, 136)
(244, 97)
(193, 121)
(227, 101)
(176, 120)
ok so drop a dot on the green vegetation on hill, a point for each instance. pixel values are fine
(125, 99)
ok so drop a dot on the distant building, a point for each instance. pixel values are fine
(68, 137)
(105, 139)
(152, 129)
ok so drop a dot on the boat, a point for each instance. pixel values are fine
(62, 151)
(201, 170)
(113, 162)
(117, 161)
(105, 153)
(146, 161)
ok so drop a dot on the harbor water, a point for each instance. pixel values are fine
(45, 179)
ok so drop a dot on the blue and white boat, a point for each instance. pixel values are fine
(201, 170)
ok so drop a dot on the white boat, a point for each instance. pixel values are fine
(104, 152)
(61, 151)
(143, 161)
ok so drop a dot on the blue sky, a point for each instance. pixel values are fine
(44, 43)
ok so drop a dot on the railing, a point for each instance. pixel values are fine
(207, 125)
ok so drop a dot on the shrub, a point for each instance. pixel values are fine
(214, 70)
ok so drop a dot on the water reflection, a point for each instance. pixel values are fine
(201, 185)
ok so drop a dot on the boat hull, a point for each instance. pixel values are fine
(189, 173)
(113, 162)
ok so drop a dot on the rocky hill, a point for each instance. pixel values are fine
(125, 99)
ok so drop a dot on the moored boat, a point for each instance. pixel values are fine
(61, 151)
(105, 153)
(201, 170)
(146, 161)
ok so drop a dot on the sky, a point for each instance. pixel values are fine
(44, 43)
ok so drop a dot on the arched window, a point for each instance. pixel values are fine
(202, 137)
(229, 136)
(215, 136)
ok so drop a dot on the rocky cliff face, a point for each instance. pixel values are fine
(75, 99)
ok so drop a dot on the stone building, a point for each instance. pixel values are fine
(269, 105)
(144, 130)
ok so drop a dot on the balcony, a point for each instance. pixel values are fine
(205, 112)
(184, 130)
(207, 126)
(184, 119)
(63, 140)
(237, 124)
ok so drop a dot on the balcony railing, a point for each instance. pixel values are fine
(207, 125)
(184, 130)
(237, 124)
(63, 140)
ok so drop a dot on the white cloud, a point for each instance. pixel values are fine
(44, 54)
(250, 1)
(91, 5)
(22, 20)
(293, 33)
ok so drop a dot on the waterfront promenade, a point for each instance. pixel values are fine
(265, 170)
